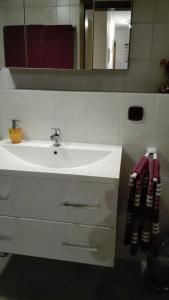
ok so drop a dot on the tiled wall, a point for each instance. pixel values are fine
(149, 43)
(96, 118)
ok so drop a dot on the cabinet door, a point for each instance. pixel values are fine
(68, 201)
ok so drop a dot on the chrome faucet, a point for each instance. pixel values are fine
(55, 136)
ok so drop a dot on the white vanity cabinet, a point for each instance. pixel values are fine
(59, 205)
(72, 220)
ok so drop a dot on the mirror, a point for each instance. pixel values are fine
(12, 37)
(65, 34)
(112, 23)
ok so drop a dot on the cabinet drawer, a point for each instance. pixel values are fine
(7, 229)
(68, 201)
(72, 242)
(6, 203)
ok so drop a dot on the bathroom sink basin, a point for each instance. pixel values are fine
(69, 159)
(57, 157)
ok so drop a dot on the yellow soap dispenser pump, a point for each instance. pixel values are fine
(15, 132)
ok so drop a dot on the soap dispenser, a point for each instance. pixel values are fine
(15, 132)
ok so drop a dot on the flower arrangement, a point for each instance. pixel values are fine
(165, 87)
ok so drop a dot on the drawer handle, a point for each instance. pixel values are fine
(6, 237)
(79, 247)
(79, 205)
(4, 196)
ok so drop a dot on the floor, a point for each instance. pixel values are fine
(27, 278)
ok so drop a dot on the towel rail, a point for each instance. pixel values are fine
(151, 151)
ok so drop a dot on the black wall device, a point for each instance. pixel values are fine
(135, 113)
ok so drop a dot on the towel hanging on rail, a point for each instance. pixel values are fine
(142, 224)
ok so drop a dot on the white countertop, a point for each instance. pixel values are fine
(105, 169)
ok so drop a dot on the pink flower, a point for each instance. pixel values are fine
(164, 62)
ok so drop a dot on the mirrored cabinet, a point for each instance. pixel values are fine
(65, 34)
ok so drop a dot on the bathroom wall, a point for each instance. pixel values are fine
(149, 43)
(97, 118)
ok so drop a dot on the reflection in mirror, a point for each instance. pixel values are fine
(52, 32)
(12, 39)
(112, 23)
(55, 33)
(89, 34)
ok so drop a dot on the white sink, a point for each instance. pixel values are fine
(76, 159)
(61, 157)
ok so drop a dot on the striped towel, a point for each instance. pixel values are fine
(142, 224)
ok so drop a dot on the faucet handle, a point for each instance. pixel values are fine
(56, 131)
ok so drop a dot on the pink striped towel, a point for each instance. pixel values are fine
(142, 224)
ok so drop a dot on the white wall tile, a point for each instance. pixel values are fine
(140, 77)
(75, 16)
(62, 2)
(2, 16)
(72, 116)
(103, 117)
(14, 16)
(2, 59)
(162, 11)
(2, 54)
(62, 15)
(141, 41)
(74, 20)
(40, 15)
(160, 41)
(162, 124)
(143, 11)
(11, 3)
(116, 82)
(6, 80)
(74, 2)
(145, 127)
(67, 2)
(38, 3)
(39, 114)
(135, 147)
(157, 74)
(89, 80)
